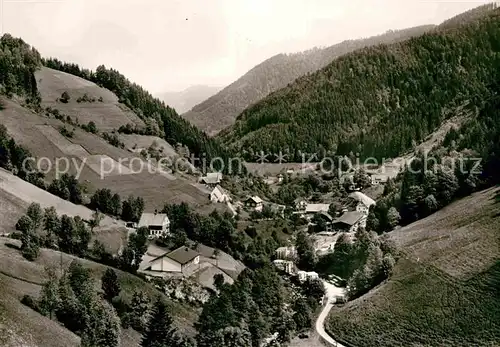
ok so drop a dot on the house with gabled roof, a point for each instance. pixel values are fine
(212, 179)
(255, 203)
(349, 221)
(157, 223)
(181, 260)
(364, 202)
(219, 194)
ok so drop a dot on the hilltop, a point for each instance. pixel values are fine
(221, 110)
(378, 101)
(444, 290)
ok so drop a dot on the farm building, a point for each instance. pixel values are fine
(219, 195)
(182, 260)
(364, 202)
(212, 179)
(349, 221)
(312, 209)
(254, 203)
(157, 223)
(199, 262)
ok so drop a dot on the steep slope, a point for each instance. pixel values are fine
(185, 100)
(160, 119)
(443, 291)
(130, 175)
(21, 326)
(377, 101)
(221, 110)
(105, 111)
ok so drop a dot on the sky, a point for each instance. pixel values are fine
(169, 45)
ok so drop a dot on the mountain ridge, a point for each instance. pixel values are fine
(221, 110)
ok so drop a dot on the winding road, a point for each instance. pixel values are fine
(331, 292)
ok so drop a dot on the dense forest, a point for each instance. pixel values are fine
(378, 101)
(221, 110)
(174, 128)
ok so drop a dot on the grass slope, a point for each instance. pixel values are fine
(19, 277)
(25, 127)
(444, 291)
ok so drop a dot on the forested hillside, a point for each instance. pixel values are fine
(221, 110)
(381, 100)
(174, 128)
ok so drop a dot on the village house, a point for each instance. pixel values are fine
(212, 179)
(304, 276)
(254, 203)
(157, 223)
(328, 220)
(300, 204)
(218, 194)
(312, 209)
(286, 253)
(364, 202)
(379, 179)
(349, 221)
(182, 260)
(280, 178)
(287, 266)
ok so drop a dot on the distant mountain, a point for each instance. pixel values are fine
(184, 101)
(221, 110)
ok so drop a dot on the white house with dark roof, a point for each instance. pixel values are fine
(364, 202)
(255, 203)
(157, 223)
(218, 194)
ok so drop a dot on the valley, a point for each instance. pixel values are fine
(111, 235)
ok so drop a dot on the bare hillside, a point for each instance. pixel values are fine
(41, 136)
(16, 192)
(107, 114)
(444, 289)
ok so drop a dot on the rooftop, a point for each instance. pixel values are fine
(316, 208)
(363, 198)
(256, 199)
(349, 218)
(212, 178)
(148, 219)
(182, 255)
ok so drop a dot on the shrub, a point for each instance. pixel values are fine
(65, 97)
